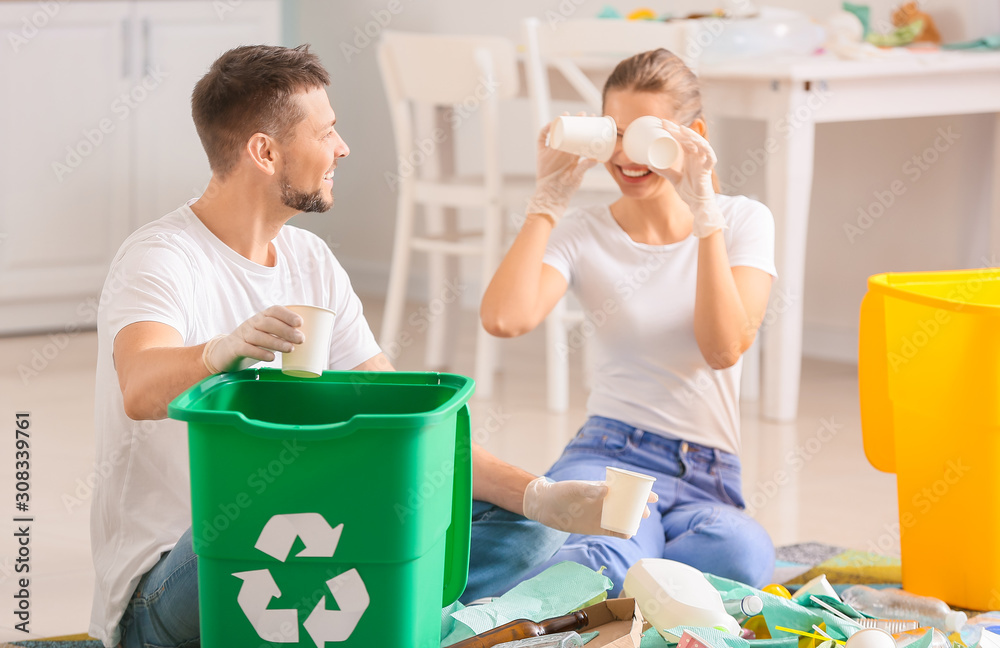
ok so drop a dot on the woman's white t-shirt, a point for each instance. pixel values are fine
(638, 302)
(175, 271)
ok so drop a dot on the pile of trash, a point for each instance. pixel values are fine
(665, 604)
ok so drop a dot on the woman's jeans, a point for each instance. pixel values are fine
(698, 520)
(163, 611)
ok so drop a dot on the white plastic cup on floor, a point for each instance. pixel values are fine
(628, 493)
(871, 638)
(589, 137)
(309, 359)
(646, 142)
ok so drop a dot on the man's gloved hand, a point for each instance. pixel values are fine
(270, 330)
(573, 505)
(559, 176)
(695, 183)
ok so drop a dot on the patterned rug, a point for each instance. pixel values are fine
(798, 564)
(795, 565)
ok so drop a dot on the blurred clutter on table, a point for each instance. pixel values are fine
(854, 32)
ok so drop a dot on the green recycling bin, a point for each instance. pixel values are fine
(326, 510)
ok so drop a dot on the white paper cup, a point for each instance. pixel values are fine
(309, 359)
(871, 638)
(646, 142)
(818, 585)
(628, 493)
(590, 137)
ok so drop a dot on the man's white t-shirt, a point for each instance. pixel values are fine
(638, 300)
(175, 271)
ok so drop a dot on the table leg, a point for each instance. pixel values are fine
(789, 186)
(995, 212)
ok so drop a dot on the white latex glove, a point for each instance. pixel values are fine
(559, 175)
(574, 506)
(270, 330)
(695, 183)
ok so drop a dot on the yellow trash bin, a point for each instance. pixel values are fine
(929, 382)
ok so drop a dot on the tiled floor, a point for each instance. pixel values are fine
(802, 480)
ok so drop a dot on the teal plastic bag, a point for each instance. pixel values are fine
(716, 638)
(779, 611)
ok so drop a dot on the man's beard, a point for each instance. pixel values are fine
(303, 201)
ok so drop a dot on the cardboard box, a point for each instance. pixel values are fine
(618, 621)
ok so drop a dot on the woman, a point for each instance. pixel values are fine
(680, 278)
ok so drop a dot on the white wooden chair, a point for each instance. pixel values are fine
(569, 61)
(431, 80)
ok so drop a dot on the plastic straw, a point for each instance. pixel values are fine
(810, 634)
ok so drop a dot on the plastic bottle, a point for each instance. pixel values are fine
(898, 604)
(973, 629)
(742, 609)
(523, 629)
(906, 638)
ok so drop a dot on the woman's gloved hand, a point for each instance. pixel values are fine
(695, 184)
(574, 506)
(270, 330)
(559, 175)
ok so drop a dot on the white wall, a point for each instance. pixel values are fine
(939, 222)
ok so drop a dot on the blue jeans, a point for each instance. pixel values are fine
(699, 519)
(506, 548)
(163, 611)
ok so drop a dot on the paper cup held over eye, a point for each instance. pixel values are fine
(309, 359)
(590, 137)
(626, 500)
(646, 142)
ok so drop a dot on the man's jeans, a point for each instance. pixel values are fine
(163, 611)
(698, 520)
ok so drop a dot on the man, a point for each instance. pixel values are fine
(198, 292)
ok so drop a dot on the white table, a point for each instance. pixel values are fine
(813, 90)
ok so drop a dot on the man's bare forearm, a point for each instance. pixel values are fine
(497, 482)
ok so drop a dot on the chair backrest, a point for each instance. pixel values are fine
(442, 69)
(581, 50)
(429, 70)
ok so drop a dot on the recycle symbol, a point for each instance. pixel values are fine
(282, 626)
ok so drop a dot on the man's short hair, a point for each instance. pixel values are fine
(251, 90)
